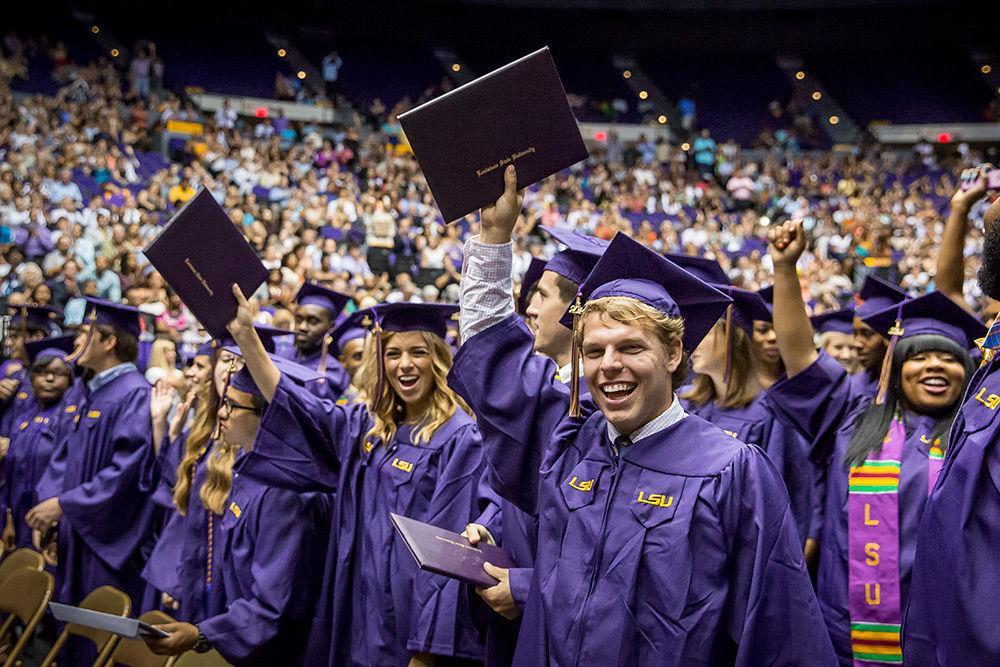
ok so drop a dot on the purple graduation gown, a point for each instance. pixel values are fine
(820, 403)
(667, 554)
(107, 514)
(756, 424)
(953, 615)
(336, 381)
(31, 446)
(376, 608)
(272, 539)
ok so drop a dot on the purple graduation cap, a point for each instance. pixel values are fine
(311, 294)
(708, 270)
(932, 313)
(57, 347)
(767, 294)
(117, 315)
(531, 276)
(747, 307)
(349, 329)
(840, 321)
(243, 381)
(578, 258)
(267, 335)
(629, 269)
(876, 294)
(31, 316)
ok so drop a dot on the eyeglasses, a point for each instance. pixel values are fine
(228, 405)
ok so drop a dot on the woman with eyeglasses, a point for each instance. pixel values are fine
(27, 453)
(267, 541)
(412, 449)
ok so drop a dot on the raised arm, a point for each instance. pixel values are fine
(791, 322)
(263, 371)
(950, 268)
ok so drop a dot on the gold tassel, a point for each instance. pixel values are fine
(76, 354)
(323, 351)
(230, 371)
(574, 378)
(379, 366)
(883, 379)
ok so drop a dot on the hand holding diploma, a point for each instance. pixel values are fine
(498, 221)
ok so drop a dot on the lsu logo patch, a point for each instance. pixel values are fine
(235, 509)
(93, 414)
(655, 499)
(70, 409)
(400, 464)
(368, 446)
(991, 402)
(731, 434)
(585, 486)
(21, 395)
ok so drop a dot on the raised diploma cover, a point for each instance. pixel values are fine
(517, 114)
(201, 254)
(130, 628)
(444, 552)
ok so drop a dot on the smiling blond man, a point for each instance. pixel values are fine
(661, 539)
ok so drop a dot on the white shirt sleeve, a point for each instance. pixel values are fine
(487, 286)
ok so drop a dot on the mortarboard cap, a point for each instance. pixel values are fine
(531, 277)
(349, 329)
(405, 316)
(706, 269)
(243, 381)
(117, 315)
(33, 317)
(933, 314)
(876, 294)
(59, 347)
(629, 269)
(747, 307)
(317, 295)
(841, 321)
(579, 257)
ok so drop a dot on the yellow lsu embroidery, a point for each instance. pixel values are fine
(70, 409)
(368, 446)
(585, 486)
(655, 499)
(235, 509)
(992, 401)
(93, 414)
(21, 395)
(731, 434)
(23, 425)
(400, 464)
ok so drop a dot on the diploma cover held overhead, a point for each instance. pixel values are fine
(517, 114)
(444, 552)
(130, 628)
(201, 254)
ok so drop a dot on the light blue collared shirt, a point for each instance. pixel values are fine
(107, 376)
(667, 418)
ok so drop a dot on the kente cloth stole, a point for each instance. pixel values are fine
(873, 548)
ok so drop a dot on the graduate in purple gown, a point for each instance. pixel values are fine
(410, 449)
(270, 540)
(32, 440)
(835, 336)
(547, 290)
(317, 312)
(651, 551)
(349, 345)
(953, 614)
(881, 457)
(28, 323)
(103, 512)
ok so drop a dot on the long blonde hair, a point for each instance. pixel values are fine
(388, 410)
(201, 431)
(743, 385)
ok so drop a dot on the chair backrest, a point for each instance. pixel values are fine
(108, 599)
(21, 558)
(24, 595)
(191, 659)
(135, 652)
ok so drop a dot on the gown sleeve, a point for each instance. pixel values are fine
(815, 401)
(287, 542)
(303, 439)
(773, 616)
(440, 618)
(518, 402)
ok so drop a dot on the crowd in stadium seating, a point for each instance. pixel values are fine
(83, 190)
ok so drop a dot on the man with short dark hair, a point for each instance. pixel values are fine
(315, 316)
(94, 489)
